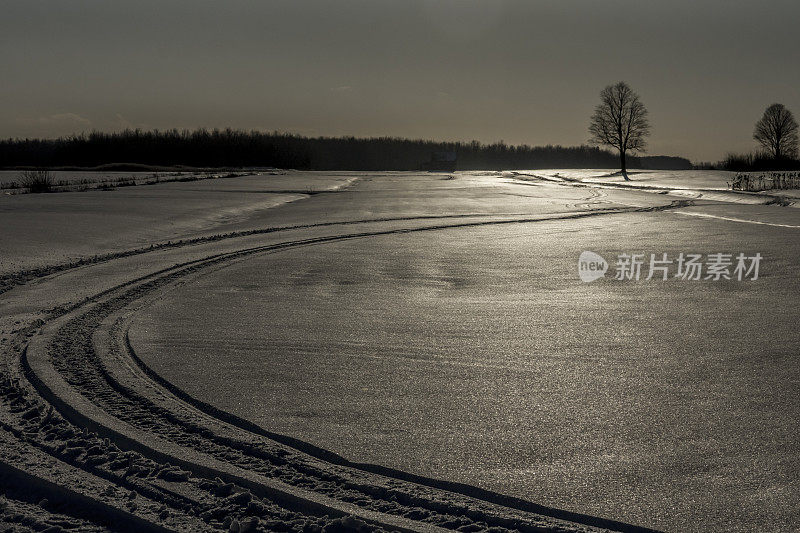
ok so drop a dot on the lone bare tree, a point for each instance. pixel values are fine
(620, 121)
(777, 132)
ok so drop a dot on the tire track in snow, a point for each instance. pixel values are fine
(740, 220)
(84, 370)
(21, 277)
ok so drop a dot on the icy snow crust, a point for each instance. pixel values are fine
(100, 439)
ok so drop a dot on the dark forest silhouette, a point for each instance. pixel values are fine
(750, 162)
(235, 148)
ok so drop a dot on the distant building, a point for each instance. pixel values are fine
(441, 162)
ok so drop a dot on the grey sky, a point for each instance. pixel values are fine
(520, 71)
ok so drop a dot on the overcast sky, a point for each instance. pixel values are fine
(520, 71)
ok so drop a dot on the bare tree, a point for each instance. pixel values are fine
(620, 121)
(777, 132)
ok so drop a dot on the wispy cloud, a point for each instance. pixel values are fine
(341, 89)
(64, 118)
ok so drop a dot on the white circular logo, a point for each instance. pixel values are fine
(591, 266)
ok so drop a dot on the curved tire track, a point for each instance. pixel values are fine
(105, 400)
(13, 279)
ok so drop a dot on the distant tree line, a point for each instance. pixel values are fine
(754, 162)
(235, 148)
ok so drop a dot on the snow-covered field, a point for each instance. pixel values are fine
(187, 355)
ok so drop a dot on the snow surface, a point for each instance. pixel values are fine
(470, 352)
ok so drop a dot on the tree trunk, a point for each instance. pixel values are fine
(622, 165)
